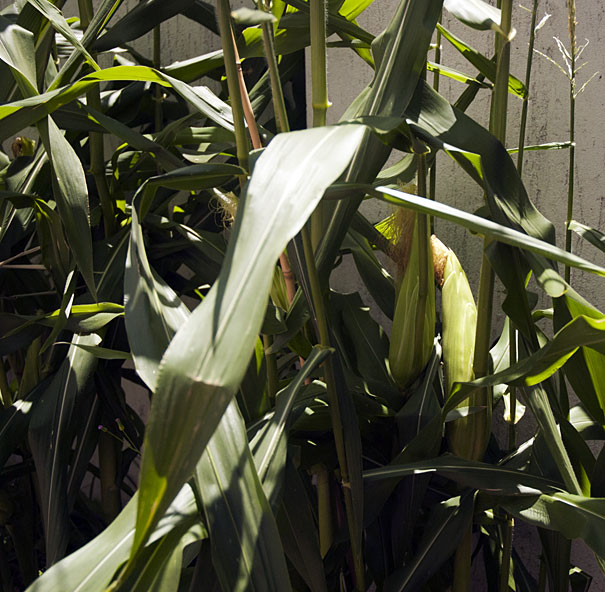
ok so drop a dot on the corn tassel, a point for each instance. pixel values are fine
(468, 435)
(414, 320)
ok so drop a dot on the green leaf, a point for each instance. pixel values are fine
(595, 237)
(486, 66)
(574, 516)
(446, 526)
(475, 13)
(454, 74)
(497, 480)
(153, 311)
(50, 440)
(206, 360)
(91, 568)
(54, 16)
(20, 114)
(546, 146)
(17, 51)
(269, 443)
(247, 16)
(484, 227)
(246, 548)
(71, 195)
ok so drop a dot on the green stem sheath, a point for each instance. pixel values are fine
(95, 140)
(335, 411)
(241, 136)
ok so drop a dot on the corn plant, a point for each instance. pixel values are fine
(164, 232)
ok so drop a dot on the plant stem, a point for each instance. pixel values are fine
(271, 362)
(528, 69)
(335, 411)
(95, 139)
(507, 548)
(462, 562)
(279, 104)
(571, 4)
(436, 79)
(319, 71)
(108, 467)
(319, 98)
(324, 509)
(241, 136)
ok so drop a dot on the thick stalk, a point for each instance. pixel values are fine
(108, 466)
(507, 548)
(241, 136)
(95, 139)
(319, 98)
(279, 103)
(324, 509)
(528, 69)
(462, 562)
(335, 411)
(319, 70)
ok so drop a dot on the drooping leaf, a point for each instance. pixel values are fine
(91, 568)
(443, 532)
(475, 13)
(246, 548)
(486, 66)
(50, 440)
(71, 194)
(207, 358)
(485, 227)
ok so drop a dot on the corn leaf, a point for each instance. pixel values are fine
(207, 358)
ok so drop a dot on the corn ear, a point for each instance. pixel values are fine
(468, 435)
(414, 320)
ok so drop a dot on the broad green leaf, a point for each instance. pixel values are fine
(139, 20)
(489, 478)
(269, 443)
(485, 227)
(581, 331)
(592, 235)
(58, 22)
(454, 74)
(475, 13)
(247, 16)
(20, 114)
(102, 353)
(206, 360)
(298, 528)
(50, 439)
(71, 195)
(91, 568)
(246, 548)
(574, 516)
(153, 311)
(17, 51)
(14, 421)
(446, 526)
(486, 66)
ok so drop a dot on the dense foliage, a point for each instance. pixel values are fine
(292, 442)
